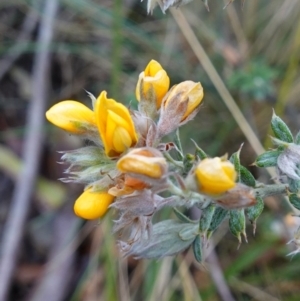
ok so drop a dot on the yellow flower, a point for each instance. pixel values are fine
(186, 91)
(92, 205)
(71, 116)
(156, 78)
(115, 125)
(144, 161)
(215, 176)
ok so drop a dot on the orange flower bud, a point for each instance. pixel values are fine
(134, 183)
(71, 116)
(128, 186)
(156, 78)
(144, 161)
(215, 176)
(92, 205)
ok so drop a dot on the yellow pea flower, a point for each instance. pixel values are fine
(215, 176)
(115, 125)
(72, 116)
(144, 161)
(92, 205)
(156, 78)
(185, 91)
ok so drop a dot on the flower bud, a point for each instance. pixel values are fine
(215, 176)
(187, 91)
(92, 205)
(71, 116)
(179, 106)
(154, 78)
(115, 125)
(148, 162)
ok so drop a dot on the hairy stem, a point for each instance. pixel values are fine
(272, 189)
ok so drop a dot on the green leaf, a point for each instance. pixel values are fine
(280, 129)
(197, 248)
(235, 160)
(246, 177)
(237, 223)
(267, 159)
(218, 217)
(206, 218)
(294, 185)
(255, 211)
(295, 200)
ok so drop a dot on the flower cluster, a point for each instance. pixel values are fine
(129, 167)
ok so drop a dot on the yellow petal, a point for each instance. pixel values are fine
(134, 165)
(160, 83)
(152, 68)
(228, 170)
(156, 78)
(112, 116)
(195, 97)
(118, 120)
(92, 205)
(121, 140)
(117, 138)
(71, 116)
(104, 104)
(186, 90)
(144, 161)
(215, 176)
(138, 86)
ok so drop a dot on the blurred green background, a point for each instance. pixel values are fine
(104, 45)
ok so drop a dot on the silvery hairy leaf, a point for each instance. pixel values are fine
(289, 160)
(168, 237)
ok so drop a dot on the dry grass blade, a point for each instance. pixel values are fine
(216, 80)
(59, 270)
(253, 291)
(204, 60)
(23, 191)
(218, 277)
(163, 279)
(21, 43)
